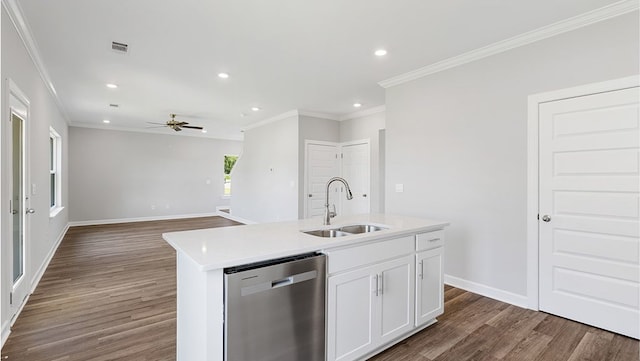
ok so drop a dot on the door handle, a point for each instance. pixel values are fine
(546, 218)
(31, 211)
(364, 195)
(14, 211)
(310, 195)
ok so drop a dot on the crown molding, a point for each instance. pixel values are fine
(363, 113)
(155, 132)
(307, 113)
(288, 114)
(24, 32)
(573, 23)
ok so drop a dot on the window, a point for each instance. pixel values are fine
(229, 162)
(55, 186)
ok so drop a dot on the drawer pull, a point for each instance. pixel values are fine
(433, 240)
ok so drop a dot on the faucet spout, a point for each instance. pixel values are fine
(328, 214)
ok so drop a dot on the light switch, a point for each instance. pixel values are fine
(399, 188)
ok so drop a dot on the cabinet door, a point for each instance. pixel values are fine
(350, 306)
(430, 285)
(395, 298)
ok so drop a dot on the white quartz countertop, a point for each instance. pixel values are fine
(216, 248)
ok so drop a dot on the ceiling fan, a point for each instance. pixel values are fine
(174, 124)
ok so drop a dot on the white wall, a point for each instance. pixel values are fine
(369, 127)
(312, 128)
(265, 177)
(457, 141)
(119, 175)
(17, 65)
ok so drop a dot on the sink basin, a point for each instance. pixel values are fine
(345, 230)
(327, 233)
(361, 228)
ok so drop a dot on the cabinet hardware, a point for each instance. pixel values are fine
(382, 283)
(422, 269)
(434, 239)
(377, 289)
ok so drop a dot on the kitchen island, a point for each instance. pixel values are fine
(406, 253)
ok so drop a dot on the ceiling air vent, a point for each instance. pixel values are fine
(114, 105)
(119, 47)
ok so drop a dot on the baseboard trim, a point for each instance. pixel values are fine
(6, 331)
(234, 218)
(140, 219)
(43, 267)
(487, 291)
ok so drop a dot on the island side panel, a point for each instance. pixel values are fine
(200, 312)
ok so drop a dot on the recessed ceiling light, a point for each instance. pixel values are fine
(106, 121)
(112, 86)
(223, 75)
(204, 130)
(380, 52)
(255, 109)
(357, 105)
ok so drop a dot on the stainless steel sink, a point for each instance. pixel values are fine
(327, 233)
(345, 230)
(361, 228)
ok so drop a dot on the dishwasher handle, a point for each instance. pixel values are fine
(282, 282)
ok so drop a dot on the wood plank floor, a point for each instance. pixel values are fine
(109, 294)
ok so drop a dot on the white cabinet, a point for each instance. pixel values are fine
(429, 285)
(369, 306)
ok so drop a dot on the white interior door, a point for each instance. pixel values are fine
(19, 202)
(321, 165)
(356, 169)
(589, 209)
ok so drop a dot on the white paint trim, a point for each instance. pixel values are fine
(24, 31)
(533, 167)
(234, 218)
(487, 291)
(6, 331)
(307, 113)
(363, 113)
(285, 115)
(139, 219)
(43, 267)
(573, 23)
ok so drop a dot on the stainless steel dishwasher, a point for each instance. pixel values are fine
(275, 310)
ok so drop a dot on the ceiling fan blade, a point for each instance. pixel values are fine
(156, 126)
(157, 123)
(192, 127)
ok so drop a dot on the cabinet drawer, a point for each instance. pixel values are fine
(429, 240)
(347, 258)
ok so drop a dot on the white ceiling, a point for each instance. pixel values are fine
(281, 55)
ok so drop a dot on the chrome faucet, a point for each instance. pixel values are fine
(329, 214)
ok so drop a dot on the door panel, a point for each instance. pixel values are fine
(350, 308)
(396, 297)
(321, 165)
(429, 281)
(356, 170)
(589, 188)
